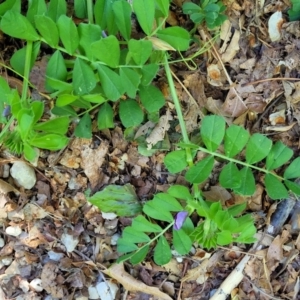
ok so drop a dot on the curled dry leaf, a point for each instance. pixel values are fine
(274, 26)
(131, 284)
(159, 44)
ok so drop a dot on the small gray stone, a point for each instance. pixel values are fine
(23, 174)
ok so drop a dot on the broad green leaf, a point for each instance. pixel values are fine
(48, 29)
(167, 202)
(212, 131)
(190, 7)
(201, 171)
(18, 59)
(230, 176)
(111, 83)
(275, 188)
(130, 80)
(58, 125)
(175, 161)
(15, 102)
(68, 34)
(65, 99)
(16, 25)
(37, 108)
(257, 148)
(88, 34)
(154, 211)
(145, 10)
(125, 246)
(84, 127)
(181, 241)
(122, 12)
(25, 120)
(140, 223)
(229, 224)
(57, 8)
(135, 236)
(140, 255)
(163, 6)
(224, 237)
(105, 117)
(139, 51)
(293, 170)
(10, 5)
(80, 8)
(130, 113)
(83, 78)
(176, 36)
(293, 186)
(49, 141)
(93, 98)
(121, 200)
(236, 138)
(148, 73)
(247, 186)
(35, 8)
(180, 192)
(279, 155)
(162, 251)
(151, 98)
(107, 50)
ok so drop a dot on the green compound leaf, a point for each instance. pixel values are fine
(65, 99)
(140, 223)
(111, 83)
(177, 37)
(48, 29)
(163, 6)
(275, 188)
(236, 138)
(83, 78)
(162, 251)
(224, 237)
(68, 34)
(130, 113)
(175, 161)
(17, 26)
(180, 192)
(181, 241)
(156, 212)
(247, 186)
(279, 155)
(35, 8)
(293, 170)
(105, 117)
(151, 98)
(130, 80)
(212, 131)
(257, 148)
(135, 236)
(84, 127)
(140, 255)
(148, 73)
(58, 125)
(139, 51)
(57, 8)
(145, 10)
(49, 141)
(107, 50)
(121, 200)
(230, 176)
(122, 12)
(201, 171)
(167, 202)
(293, 186)
(125, 246)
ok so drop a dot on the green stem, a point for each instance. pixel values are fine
(27, 67)
(90, 11)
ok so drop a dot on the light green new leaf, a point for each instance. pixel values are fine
(257, 148)
(230, 177)
(175, 161)
(130, 80)
(122, 12)
(148, 73)
(167, 202)
(105, 117)
(48, 29)
(180, 192)
(30, 153)
(162, 251)
(83, 77)
(35, 8)
(25, 119)
(58, 125)
(16, 25)
(111, 83)
(125, 246)
(130, 113)
(154, 210)
(135, 236)
(181, 241)
(293, 170)
(84, 127)
(121, 200)
(201, 171)
(145, 11)
(57, 8)
(140, 223)
(293, 186)
(275, 188)
(68, 33)
(247, 186)
(212, 131)
(65, 99)
(49, 141)
(176, 36)
(139, 51)
(107, 50)
(236, 138)
(93, 98)
(279, 155)
(224, 237)
(151, 98)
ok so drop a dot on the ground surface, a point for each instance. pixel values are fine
(58, 245)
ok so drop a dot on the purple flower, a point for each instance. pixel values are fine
(6, 111)
(179, 219)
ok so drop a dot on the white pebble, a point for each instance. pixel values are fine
(1, 242)
(7, 260)
(93, 294)
(23, 174)
(107, 290)
(108, 216)
(114, 239)
(36, 284)
(13, 230)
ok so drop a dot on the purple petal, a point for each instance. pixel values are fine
(179, 219)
